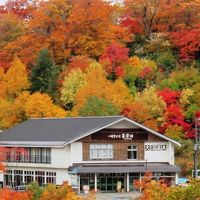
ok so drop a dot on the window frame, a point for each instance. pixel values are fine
(100, 151)
(132, 150)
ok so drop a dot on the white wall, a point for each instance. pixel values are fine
(60, 157)
(171, 153)
(76, 152)
(156, 152)
(62, 175)
(1, 176)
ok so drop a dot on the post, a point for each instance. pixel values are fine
(196, 145)
(176, 178)
(79, 184)
(195, 160)
(140, 181)
(95, 182)
(127, 182)
(146, 168)
(23, 181)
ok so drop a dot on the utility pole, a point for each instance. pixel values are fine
(196, 145)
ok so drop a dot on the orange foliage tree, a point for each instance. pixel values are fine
(7, 194)
(151, 189)
(45, 29)
(91, 27)
(163, 15)
(52, 192)
(11, 28)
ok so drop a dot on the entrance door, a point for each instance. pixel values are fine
(87, 179)
(108, 182)
(132, 178)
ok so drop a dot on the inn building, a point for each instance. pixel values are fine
(97, 152)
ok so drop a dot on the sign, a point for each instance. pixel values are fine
(156, 147)
(86, 189)
(196, 147)
(124, 136)
(120, 134)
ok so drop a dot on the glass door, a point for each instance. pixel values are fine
(132, 178)
(108, 182)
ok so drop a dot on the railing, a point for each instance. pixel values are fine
(29, 159)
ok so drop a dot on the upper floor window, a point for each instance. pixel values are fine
(132, 152)
(101, 151)
(29, 155)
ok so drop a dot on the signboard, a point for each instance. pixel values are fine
(121, 134)
(157, 152)
(156, 147)
(196, 147)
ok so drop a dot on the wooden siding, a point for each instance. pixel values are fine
(119, 146)
(120, 150)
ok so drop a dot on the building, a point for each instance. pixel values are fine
(101, 152)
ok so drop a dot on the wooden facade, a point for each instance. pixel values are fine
(117, 137)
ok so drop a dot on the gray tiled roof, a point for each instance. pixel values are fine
(131, 168)
(54, 130)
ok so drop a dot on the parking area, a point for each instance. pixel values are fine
(116, 196)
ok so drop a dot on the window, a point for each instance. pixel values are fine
(30, 155)
(101, 151)
(40, 177)
(51, 177)
(16, 177)
(132, 152)
(28, 177)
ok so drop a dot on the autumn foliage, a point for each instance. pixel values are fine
(7, 194)
(63, 58)
(50, 192)
(158, 190)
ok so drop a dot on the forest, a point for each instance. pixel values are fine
(68, 58)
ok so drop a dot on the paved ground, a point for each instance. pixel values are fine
(115, 196)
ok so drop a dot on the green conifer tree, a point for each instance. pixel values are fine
(44, 74)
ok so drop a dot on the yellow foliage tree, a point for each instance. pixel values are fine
(156, 106)
(41, 105)
(152, 124)
(119, 94)
(7, 116)
(196, 96)
(16, 78)
(186, 96)
(138, 111)
(72, 83)
(137, 65)
(175, 132)
(19, 105)
(2, 84)
(97, 85)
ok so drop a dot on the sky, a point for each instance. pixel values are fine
(2, 2)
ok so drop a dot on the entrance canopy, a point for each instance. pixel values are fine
(132, 168)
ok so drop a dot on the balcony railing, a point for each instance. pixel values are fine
(30, 159)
